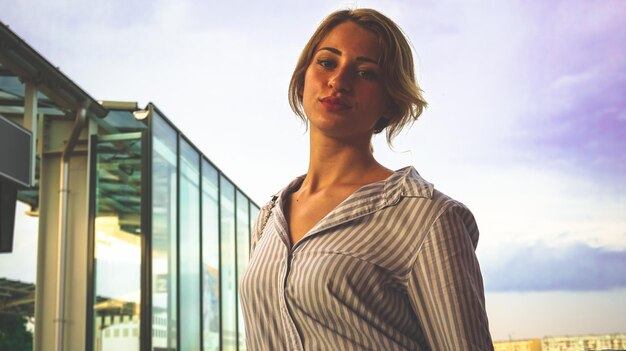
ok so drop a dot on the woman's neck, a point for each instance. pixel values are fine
(340, 162)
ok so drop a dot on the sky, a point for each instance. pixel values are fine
(526, 122)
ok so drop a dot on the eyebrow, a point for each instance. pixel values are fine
(359, 58)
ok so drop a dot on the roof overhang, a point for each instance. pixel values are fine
(30, 66)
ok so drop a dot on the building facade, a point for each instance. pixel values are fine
(585, 342)
(139, 239)
(518, 345)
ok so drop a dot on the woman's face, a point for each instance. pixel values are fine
(343, 95)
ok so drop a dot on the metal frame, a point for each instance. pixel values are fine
(200, 247)
(219, 254)
(89, 335)
(236, 270)
(177, 240)
(145, 314)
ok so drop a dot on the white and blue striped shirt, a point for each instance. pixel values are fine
(392, 267)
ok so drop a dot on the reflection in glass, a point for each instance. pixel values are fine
(117, 264)
(17, 282)
(254, 214)
(210, 258)
(197, 214)
(189, 247)
(164, 198)
(243, 249)
(228, 278)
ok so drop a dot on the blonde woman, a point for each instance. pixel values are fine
(353, 255)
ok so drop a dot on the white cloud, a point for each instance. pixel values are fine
(524, 205)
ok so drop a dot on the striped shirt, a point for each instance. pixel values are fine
(392, 267)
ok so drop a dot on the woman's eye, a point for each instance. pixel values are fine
(326, 63)
(367, 75)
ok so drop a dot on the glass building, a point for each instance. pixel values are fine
(136, 240)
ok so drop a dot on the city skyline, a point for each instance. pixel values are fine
(528, 98)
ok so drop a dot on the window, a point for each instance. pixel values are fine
(228, 271)
(117, 234)
(210, 258)
(189, 214)
(164, 229)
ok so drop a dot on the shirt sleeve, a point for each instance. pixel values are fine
(446, 287)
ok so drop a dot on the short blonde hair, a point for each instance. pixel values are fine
(396, 63)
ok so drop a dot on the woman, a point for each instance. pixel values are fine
(352, 255)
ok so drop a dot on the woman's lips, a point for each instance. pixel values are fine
(333, 103)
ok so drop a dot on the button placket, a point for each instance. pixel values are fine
(288, 323)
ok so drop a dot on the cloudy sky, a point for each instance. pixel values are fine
(526, 121)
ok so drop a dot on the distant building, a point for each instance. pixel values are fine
(518, 345)
(585, 342)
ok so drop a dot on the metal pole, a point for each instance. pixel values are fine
(81, 116)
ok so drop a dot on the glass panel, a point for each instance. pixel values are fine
(189, 248)
(117, 261)
(229, 283)
(243, 250)
(12, 92)
(254, 214)
(210, 258)
(164, 279)
(17, 282)
(121, 121)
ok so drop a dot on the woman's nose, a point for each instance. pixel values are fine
(340, 81)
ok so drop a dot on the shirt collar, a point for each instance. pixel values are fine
(405, 182)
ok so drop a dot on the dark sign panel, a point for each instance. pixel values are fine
(8, 198)
(15, 154)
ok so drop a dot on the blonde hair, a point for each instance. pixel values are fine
(396, 63)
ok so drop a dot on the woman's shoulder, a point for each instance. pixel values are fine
(439, 204)
(414, 185)
(420, 195)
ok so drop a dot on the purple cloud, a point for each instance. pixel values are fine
(576, 69)
(539, 267)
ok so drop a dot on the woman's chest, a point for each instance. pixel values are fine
(304, 211)
(364, 254)
(336, 277)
